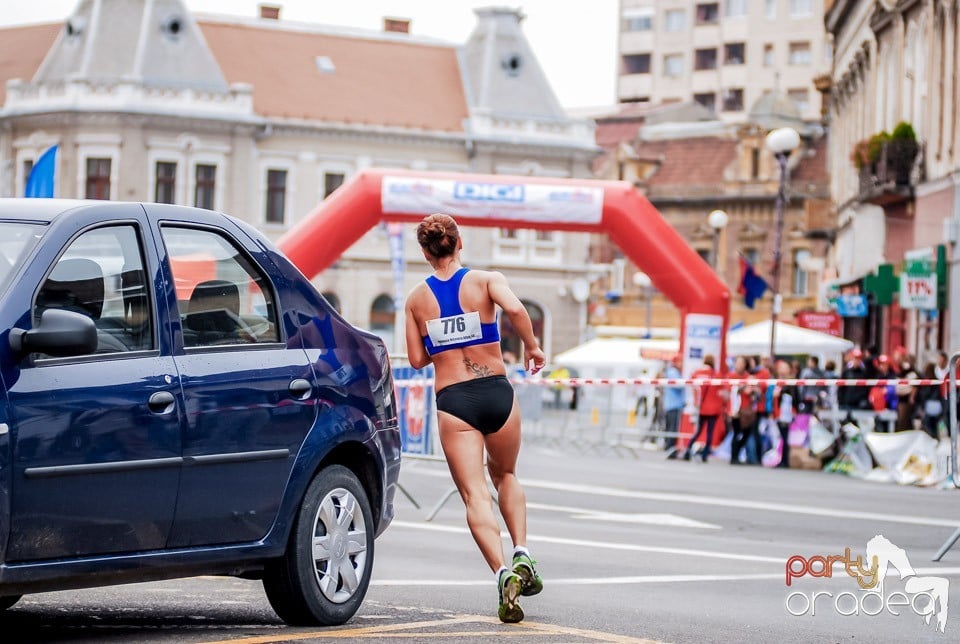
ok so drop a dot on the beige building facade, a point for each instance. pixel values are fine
(263, 119)
(723, 55)
(896, 66)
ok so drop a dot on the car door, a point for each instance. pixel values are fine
(95, 438)
(248, 396)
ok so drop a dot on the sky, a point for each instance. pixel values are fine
(575, 41)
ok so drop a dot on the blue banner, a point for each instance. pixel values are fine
(41, 181)
(852, 306)
(415, 408)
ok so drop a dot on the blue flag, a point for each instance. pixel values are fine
(752, 286)
(40, 183)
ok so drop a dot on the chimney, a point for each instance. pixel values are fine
(270, 11)
(397, 25)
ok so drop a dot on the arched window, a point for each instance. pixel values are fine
(383, 315)
(334, 300)
(510, 339)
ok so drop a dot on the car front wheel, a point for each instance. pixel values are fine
(323, 577)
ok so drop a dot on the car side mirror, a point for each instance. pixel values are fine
(61, 333)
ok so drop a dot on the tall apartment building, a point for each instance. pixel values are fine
(723, 55)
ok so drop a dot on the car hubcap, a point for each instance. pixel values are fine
(339, 545)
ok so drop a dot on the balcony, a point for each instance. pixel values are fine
(892, 178)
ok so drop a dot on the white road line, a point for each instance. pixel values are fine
(717, 501)
(602, 544)
(638, 579)
(650, 518)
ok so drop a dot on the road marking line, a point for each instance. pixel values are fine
(398, 631)
(638, 579)
(723, 502)
(602, 544)
(649, 518)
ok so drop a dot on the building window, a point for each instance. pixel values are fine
(800, 53)
(675, 20)
(707, 99)
(705, 255)
(752, 255)
(768, 55)
(733, 100)
(801, 8)
(276, 196)
(800, 277)
(708, 13)
(673, 65)
(332, 181)
(638, 20)
(801, 97)
(770, 9)
(203, 194)
(509, 337)
(736, 8)
(166, 182)
(98, 178)
(383, 315)
(734, 53)
(636, 64)
(755, 163)
(27, 169)
(705, 59)
(544, 235)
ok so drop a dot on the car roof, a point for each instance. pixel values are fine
(40, 210)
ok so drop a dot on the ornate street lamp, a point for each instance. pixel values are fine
(781, 142)
(718, 220)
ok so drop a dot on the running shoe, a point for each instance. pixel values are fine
(530, 581)
(508, 592)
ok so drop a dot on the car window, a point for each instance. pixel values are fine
(101, 275)
(16, 241)
(223, 297)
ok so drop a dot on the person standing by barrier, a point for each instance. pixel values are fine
(743, 419)
(711, 401)
(785, 400)
(674, 399)
(930, 405)
(451, 321)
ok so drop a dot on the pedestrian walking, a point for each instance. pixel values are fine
(785, 401)
(451, 321)
(711, 403)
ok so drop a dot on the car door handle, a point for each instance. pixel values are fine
(300, 389)
(161, 402)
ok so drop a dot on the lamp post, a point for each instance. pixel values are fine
(643, 281)
(718, 220)
(781, 142)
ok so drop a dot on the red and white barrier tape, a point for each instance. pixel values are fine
(576, 382)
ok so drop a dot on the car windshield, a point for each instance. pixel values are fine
(16, 241)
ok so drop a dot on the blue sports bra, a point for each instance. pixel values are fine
(455, 328)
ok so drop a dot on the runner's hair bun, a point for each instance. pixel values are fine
(438, 235)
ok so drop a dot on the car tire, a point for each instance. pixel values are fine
(8, 601)
(323, 576)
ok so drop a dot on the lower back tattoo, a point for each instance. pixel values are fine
(478, 370)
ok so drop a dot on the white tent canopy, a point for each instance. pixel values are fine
(613, 357)
(790, 340)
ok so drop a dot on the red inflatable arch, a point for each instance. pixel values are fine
(612, 207)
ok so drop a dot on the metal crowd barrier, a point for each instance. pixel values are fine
(624, 416)
(952, 463)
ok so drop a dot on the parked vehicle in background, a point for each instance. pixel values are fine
(177, 399)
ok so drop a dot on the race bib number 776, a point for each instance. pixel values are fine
(454, 329)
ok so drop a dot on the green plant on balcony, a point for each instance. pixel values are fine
(902, 151)
(859, 156)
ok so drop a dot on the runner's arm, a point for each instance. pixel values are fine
(505, 298)
(416, 353)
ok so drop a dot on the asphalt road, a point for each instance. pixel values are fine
(631, 548)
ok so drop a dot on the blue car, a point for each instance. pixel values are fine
(177, 399)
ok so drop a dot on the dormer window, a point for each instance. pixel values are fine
(512, 64)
